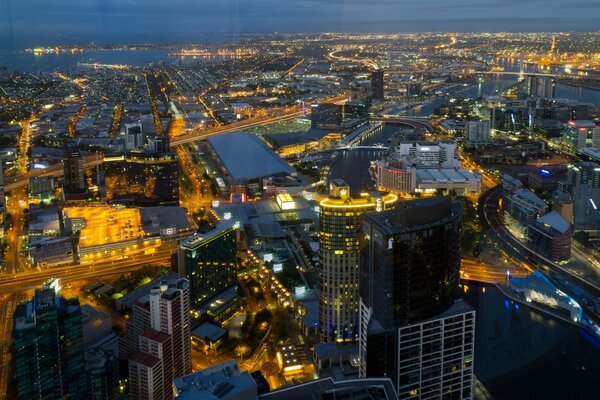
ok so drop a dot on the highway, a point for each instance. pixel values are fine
(35, 278)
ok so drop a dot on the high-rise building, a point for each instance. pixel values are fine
(134, 136)
(157, 340)
(585, 180)
(339, 233)
(208, 261)
(411, 328)
(157, 345)
(579, 134)
(48, 347)
(326, 116)
(377, 84)
(102, 371)
(477, 133)
(74, 178)
(142, 178)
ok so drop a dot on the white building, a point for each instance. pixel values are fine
(134, 136)
(477, 133)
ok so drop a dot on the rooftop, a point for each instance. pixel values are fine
(555, 221)
(209, 330)
(106, 224)
(365, 388)
(197, 239)
(154, 219)
(223, 381)
(246, 157)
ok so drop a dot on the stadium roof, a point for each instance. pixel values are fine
(246, 157)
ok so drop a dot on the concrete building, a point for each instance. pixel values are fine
(339, 224)
(579, 134)
(585, 180)
(326, 116)
(74, 186)
(142, 178)
(477, 133)
(563, 204)
(157, 340)
(411, 328)
(102, 371)
(134, 136)
(550, 237)
(41, 186)
(524, 207)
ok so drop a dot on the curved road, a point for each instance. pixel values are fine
(489, 209)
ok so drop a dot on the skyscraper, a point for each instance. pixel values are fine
(158, 340)
(208, 261)
(477, 133)
(339, 235)
(48, 347)
(74, 179)
(377, 84)
(411, 329)
(585, 180)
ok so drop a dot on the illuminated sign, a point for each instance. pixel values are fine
(268, 257)
(277, 267)
(544, 171)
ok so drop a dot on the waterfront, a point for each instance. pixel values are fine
(523, 354)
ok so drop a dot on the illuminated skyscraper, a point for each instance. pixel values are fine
(411, 328)
(339, 235)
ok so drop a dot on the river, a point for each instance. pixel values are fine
(521, 353)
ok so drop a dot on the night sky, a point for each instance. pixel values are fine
(22, 20)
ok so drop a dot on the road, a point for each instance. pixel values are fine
(279, 115)
(32, 279)
(489, 209)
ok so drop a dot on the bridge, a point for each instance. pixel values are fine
(478, 72)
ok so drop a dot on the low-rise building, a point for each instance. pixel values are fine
(550, 237)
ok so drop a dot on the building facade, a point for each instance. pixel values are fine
(584, 179)
(377, 84)
(48, 347)
(163, 349)
(209, 262)
(411, 327)
(550, 237)
(477, 133)
(142, 178)
(339, 234)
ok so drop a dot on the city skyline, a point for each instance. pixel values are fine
(274, 216)
(31, 22)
